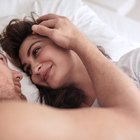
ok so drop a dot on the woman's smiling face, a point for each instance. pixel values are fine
(46, 63)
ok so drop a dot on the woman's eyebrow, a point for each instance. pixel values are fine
(30, 47)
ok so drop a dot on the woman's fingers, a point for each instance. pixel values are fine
(53, 34)
(49, 23)
(59, 29)
(47, 17)
(42, 30)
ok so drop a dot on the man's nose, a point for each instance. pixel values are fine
(17, 75)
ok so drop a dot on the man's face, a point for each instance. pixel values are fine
(10, 87)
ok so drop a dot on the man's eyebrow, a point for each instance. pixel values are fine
(29, 50)
(1, 53)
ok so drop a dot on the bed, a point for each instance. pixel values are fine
(115, 33)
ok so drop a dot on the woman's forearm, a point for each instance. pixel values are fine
(112, 86)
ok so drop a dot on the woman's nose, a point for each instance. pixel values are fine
(36, 69)
(17, 75)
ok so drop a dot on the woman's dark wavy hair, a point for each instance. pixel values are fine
(11, 39)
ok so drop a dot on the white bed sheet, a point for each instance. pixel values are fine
(122, 25)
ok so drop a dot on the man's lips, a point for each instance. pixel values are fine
(18, 86)
(18, 89)
(46, 74)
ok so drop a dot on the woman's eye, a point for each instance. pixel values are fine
(36, 51)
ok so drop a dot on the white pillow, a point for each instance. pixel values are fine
(78, 12)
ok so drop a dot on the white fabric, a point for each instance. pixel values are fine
(122, 25)
(95, 103)
(79, 13)
(130, 64)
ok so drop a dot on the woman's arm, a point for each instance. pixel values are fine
(113, 87)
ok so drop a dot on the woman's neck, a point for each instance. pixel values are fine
(86, 86)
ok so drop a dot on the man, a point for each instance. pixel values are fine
(10, 87)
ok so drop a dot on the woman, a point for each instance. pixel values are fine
(50, 67)
(10, 88)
